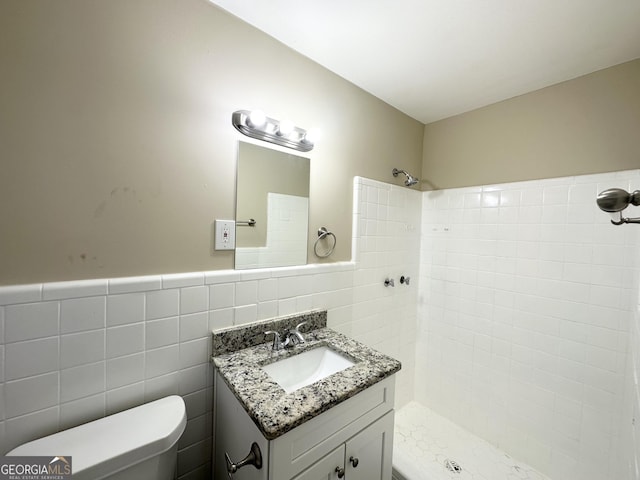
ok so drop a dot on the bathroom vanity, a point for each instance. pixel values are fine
(338, 426)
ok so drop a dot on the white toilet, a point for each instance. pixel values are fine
(137, 444)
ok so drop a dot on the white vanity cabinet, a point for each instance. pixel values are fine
(352, 440)
(367, 456)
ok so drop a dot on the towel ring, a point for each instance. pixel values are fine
(322, 233)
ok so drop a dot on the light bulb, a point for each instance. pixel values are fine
(257, 118)
(285, 127)
(312, 135)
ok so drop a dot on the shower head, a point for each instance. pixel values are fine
(615, 199)
(410, 181)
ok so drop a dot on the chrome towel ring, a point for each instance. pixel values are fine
(323, 233)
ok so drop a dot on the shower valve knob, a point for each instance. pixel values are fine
(405, 280)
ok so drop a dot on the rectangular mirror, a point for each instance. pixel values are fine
(272, 208)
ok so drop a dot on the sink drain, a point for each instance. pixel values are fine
(452, 466)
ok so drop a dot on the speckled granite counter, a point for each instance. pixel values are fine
(238, 357)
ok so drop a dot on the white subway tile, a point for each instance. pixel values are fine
(162, 386)
(26, 428)
(246, 293)
(222, 318)
(77, 315)
(124, 398)
(124, 309)
(125, 370)
(195, 378)
(221, 296)
(162, 303)
(81, 411)
(82, 381)
(162, 361)
(160, 333)
(134, 284)
(30, 394)
(555, 195)
(221, 276)
(82, 348)
(196, 403)
(33, 357)
(30, 321)
(267, 310)
(605, 296)
(194, 326)
(125, 340)
(178, 280)
(609, 276)
(20, 294)
(197, 430)
(601, 358)
(194, 299)
(245, 314)
(74, 289)
(603, 337)
(195, 352)
(268, 289)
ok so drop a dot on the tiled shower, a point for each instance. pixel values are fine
(516, 324)
(528, 322)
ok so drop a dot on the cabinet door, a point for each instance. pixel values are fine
(368, 454)
(325, 468)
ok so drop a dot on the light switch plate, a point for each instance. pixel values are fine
(225, 235)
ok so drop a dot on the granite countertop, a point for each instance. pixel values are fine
(274, 411)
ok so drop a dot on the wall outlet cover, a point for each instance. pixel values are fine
(225, 235)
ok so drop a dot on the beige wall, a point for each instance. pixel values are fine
(587, 125)
(116, 145)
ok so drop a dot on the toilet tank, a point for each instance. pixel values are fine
(139, 443)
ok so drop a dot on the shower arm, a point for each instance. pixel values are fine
(624, 220)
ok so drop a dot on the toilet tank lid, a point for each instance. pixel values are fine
(118, 441)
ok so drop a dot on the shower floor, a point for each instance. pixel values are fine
(427, 446)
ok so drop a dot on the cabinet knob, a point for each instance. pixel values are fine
(340, 472)
(253, 458)
(354, 461)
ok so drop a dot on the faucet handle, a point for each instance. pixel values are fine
(277, 341)
(295, 335)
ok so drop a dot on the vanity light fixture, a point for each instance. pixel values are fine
(256, 124)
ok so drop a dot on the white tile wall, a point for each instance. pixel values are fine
(72, 359)
(386, 245)
(75, 351)
(524, 314)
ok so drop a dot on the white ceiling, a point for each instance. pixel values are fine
(436, 58)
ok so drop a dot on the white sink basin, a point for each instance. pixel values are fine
(306, 368)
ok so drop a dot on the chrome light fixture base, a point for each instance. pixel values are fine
(269, 131)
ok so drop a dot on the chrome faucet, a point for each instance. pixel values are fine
(291, 338)
(278, 344)
(295, 336)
